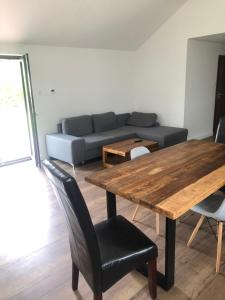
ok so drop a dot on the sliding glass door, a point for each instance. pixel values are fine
(18, 131)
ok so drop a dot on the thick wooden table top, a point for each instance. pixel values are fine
(169, 181)
(124, 147)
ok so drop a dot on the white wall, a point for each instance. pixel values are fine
(86, 81)
(161, 61)
(152, 79)
(201, 76)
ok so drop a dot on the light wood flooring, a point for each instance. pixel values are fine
(34, 251)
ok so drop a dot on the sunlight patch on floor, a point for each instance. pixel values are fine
(24, 212)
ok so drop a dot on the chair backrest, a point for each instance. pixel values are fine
(83, 241)
(220, 213)
(220, 134)
(138, 151)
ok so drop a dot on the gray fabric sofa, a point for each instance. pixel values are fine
(81, 138)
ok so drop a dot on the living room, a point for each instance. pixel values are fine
(93, 57)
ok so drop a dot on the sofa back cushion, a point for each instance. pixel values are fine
(77, 126)
(59, 128)
(104, 122)
(142, 119)
(121, 119)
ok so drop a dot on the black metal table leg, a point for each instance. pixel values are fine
(111, 204)
(166, 281)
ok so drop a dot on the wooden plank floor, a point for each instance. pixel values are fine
(34, 251)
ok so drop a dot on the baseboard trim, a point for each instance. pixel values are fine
(201, 136)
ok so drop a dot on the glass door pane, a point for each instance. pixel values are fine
(14, 134)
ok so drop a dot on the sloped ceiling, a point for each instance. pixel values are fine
(107, 24)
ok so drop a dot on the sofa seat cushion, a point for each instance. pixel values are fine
(100, 139)
(164, 135)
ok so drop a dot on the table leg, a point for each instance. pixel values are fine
(111, 204)
(166, 281)
(104, 157)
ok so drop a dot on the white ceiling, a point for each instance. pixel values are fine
(109, 24)
(216, 38)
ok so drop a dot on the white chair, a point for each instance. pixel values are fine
(138, 151)
(212, 207)
(134, 153)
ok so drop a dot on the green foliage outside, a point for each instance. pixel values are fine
(9, 96)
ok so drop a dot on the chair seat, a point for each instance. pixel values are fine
(210, 207)
(123, 248)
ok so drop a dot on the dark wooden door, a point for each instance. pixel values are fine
(220, 93)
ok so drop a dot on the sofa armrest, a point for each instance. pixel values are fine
(68, 148)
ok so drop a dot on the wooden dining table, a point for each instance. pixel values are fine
(170, 182)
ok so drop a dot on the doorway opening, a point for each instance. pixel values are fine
(219, 110)
(18, 132)
(14, 134)
(202, 112)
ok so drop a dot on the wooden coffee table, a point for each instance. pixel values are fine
(120, 152)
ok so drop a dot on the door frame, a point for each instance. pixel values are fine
(29, 105)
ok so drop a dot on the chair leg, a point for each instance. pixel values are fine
(219, 245)
(195, 231)
(152, 277)
(73, 166)
(135, 212)
(97, 296)
(75, 277)
(157, 224)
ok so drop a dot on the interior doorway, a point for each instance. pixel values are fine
(220, 93)
(201, 85)
(18, 131)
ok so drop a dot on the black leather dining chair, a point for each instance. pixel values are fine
(105, 252)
